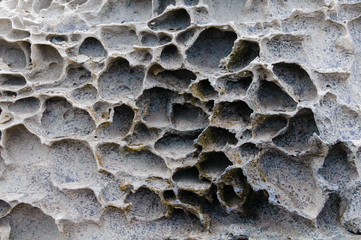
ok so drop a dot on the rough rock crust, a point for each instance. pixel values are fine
(180, 119)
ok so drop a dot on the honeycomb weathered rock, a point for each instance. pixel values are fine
(180, 119)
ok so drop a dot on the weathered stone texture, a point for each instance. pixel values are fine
(180, 119)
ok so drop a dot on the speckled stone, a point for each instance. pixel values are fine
(180, 119)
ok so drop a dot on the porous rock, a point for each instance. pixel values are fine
(180, 119)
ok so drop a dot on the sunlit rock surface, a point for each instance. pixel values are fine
(180, 119)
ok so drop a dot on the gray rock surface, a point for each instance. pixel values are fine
(180, 119)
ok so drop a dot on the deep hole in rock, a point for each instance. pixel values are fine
(189, 179)
(190, 197)
(173, 20)
(248, 151)
(27, 105)
(164, 38)
(92, 47)
(216, 137)
(330, 214)
(155, 106)
(210, 47)
(230, 197)
(12, 80)
(256, 201)
(244, 53)
(232, 112)
(233, 189)
(173, 79)
(185, 36)
(188, 117)
(269, 125)
(151, 39)
(203, 89)
(296, 138)
(186, 174)
(271, 97)
(213, 164)
(142, 134)
(9, 94)
(236, 86)
(57, 38)
(170, 55)
(169, 195)
(297, 78)
(209, 105)
(122, 121)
